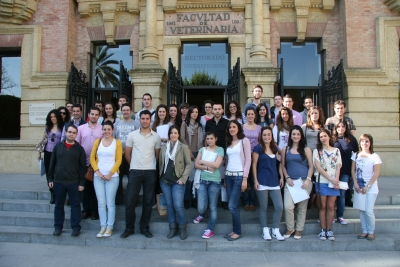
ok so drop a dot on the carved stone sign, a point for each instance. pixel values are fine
(38, 112)
(204, 23)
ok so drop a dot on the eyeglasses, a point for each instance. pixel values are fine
(232, 107)
(52, 137)
(208, 106)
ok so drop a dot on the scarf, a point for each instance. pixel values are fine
(170, 155)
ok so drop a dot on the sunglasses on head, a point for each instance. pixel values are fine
(63, 113)
(52, 137)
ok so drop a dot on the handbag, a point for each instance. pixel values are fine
(161, 205)
(89, 175)
(42, 144)
(315, 196)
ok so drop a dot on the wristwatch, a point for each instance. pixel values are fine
(368, 186)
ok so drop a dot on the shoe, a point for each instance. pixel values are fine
(108, 232)
(363, 236)
(225, 205)
(146, 233)
(57, 232)
(276, 234)
(252, 208)
(288, 233)
(182, 230)
(198, 219)
(247, 207)
(297, 235)
(342, 221)
(322, 235)
(75, 232)
(330, 236)
(208, 234)
(228, 235)
(266, 234)
(95, 216)
(102, 231)
(126, 233)
(84, 215)
(234, 238)
(172, 230)
(67, 202)
(371, 237)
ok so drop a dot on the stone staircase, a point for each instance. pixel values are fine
(27, 216)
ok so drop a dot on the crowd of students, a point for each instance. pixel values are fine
(260, 153)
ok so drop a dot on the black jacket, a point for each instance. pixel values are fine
(67, 166)
(219, 129)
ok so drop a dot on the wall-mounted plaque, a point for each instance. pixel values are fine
(38, 112)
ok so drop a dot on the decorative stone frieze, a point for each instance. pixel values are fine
(393, 5)
(16, 11)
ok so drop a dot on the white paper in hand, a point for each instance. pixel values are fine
(297, 193)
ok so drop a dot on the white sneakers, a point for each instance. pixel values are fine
(105, 232)
(267, 232)
(276, 234)
(102, 231)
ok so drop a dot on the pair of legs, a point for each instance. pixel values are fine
(60, 192)
(289, 210)
(174, 194)
(207, 196)
(233, 188)
(276, 198)
(327, 211)
(105, 192)
(89, 199)
(367, 217)
(136, 179)
(340, 204)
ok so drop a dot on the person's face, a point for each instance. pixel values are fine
(211, 139)
(314, 115)
(71, 134)
(172, 112)
(94, 116)
(365, 144)
(288, 102)
(308, 103)
(174, 135)
(162, 113)
(267, 136)
(109, 110)
(278, 101)
(296, 136)
(69, 107)
(208, 108)
(63, 113)
(250, 115)
(340, 110)
(217, 111)
(285, 115)
(257, 93)
(121, 101)
(233, 129)
(99, 105)
(146, 101)
(194, 114)
(184, 111)
(126, 112)
(262, 111)
(145, 121)
(341, 129)
(324, 138)
(232, 108)
(107, 130)
(53, 118)
(77, 113)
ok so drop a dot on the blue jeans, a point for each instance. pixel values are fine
(174, 194)
(367, 217)
(207, 195)
(340, 200)
(105, 192)
(60, 192)
(234, 188)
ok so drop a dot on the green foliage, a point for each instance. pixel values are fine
(10, 122)
(201, 78)
(107, 75)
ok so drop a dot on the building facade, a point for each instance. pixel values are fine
(50, 34)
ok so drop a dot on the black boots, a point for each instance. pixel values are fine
(172, 230)
(182, 229)
(52, 201)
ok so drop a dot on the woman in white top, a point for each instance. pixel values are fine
(161, 117)
(365, 171)
(105, 158)
(284, 121)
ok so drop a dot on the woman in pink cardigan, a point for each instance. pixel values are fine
(238, 161)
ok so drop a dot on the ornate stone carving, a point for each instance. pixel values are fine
(202, 4)
(16, 11)
(172, 40)
(393, 5)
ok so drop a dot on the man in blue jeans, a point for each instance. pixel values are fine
(66, 175)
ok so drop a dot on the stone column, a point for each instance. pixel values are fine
(150, 52)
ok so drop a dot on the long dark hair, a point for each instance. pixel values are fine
(321, 117)
(346, 135)
(272, 144)
(67, 115)
(302, 143)
(279, 120)
(238, 114)
(114, 114)
(258, 116)
(190, 111)
(174, 127)
(178, 118)
(323, 130)
(157, 121)
(228, 136)
(49, 124)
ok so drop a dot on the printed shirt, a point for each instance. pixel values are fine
(86, 137)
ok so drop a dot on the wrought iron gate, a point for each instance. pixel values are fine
(174, 86)
(79, 88)
(125, 85)
(233, 90)
(333, 88)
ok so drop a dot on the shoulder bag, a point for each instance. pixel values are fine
(42, 144)
(89, 175)
(315, 196)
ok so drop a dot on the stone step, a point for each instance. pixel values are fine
(159, 224)
(248, 243)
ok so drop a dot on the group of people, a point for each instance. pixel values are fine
(261, 153)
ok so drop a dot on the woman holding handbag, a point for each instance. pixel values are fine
(296, 164)
(327, 162)
(365, 171)
(51, 136)
(174, 168)
(105, 159)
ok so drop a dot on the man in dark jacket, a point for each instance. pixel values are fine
(66, 174)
